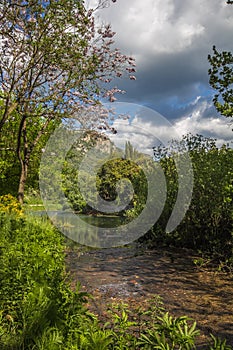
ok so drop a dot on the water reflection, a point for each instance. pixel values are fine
(89, 227)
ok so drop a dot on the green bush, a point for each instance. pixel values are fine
(34, 295)
(207, 225)
(10, 205)
(31, 256)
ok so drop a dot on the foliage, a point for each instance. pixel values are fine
(107, 178)
(170, 333)
(27, 245)
(54, 64)
(34, 296)
(219, 344)
(9, 162)
(39, 310)
(207, 225)
(75, 179)
(221, 80)
(110, 188)
(10, 204)
(122, 326)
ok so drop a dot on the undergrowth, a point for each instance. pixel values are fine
(40, 311)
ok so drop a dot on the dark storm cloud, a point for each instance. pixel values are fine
(171, 40)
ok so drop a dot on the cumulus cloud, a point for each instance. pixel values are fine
(171, 40)
(216, 127)
(150, 27)
(146, 128)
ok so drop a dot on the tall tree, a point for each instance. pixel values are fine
(55, 61)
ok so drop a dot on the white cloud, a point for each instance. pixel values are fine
(155, 26)
(146, 130)
(216, 127)
(171, 40)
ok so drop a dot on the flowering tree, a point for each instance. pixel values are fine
(55, 61)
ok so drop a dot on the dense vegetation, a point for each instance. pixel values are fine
(54, 64)
(207, 225)
(121, 165)
(40, 311)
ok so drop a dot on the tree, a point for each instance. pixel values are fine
(208, 222)
(119, 165)
(55, 62)
(10, 169)
(221, 79)
(131, 152)
(9, 164)
(74, 178)
(115, 170)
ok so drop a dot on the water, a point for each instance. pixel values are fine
(135, 275)
(88, 230)
(68, 218)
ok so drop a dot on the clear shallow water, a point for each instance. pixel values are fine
(134, 275)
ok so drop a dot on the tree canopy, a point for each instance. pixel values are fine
(55, 62)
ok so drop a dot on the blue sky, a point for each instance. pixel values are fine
(171, 40)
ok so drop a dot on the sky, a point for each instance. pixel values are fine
(170, 40)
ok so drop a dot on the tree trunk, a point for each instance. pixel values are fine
(22, 181)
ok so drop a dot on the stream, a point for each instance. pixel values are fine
(133, 274)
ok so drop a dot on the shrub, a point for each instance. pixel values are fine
(10, 205)
(207, 225)
(34, 294)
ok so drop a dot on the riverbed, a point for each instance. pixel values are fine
(134, 274)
